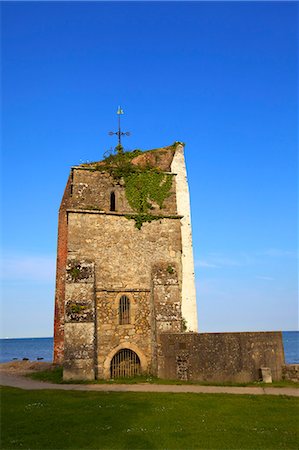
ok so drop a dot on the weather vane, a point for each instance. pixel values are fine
(119, 133)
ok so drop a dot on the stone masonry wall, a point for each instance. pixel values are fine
(167, 298)
(124, 258)
(290, 372)
(220, 357)
(123, 255)
(60, 276)
(113, 336)
(91, 190)
(167, 311)
(79, 323)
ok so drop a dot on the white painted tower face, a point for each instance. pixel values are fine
(189, 309)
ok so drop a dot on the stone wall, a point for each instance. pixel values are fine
(79, 321)
(123, 255)
(290, 372)
(159, 157)
(167, 298)
(220, 357)
(125, 259)
(60, 275)
(113, 336)
(145, 265)
(91, 189)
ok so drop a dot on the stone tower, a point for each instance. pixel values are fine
(125, 271)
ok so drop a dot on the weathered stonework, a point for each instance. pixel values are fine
(79, 351)
(62, 252)
(91, 189)
(112, 334)
(79, 321)
(104, 257)
(125, 296)
(220, 357)
(290, 372)
(167, 298)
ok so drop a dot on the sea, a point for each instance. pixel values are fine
(41, 349)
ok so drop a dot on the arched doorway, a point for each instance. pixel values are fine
(125, 363)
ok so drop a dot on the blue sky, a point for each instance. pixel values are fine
(222, 77)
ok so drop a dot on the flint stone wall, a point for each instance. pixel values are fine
(111, 334)
(290, 372)
(220, 357)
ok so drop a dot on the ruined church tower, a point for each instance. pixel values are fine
(125, 271)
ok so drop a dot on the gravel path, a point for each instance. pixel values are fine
(14, 380)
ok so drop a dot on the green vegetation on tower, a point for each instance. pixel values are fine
(144, 186)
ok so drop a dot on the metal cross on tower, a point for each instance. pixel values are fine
(119, 133)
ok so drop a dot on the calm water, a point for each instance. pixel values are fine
(33, 348)
(291, 346)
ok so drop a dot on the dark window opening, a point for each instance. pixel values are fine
(112, 201)
(124, 310)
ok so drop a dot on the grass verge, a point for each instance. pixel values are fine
(55, 376)
(45, 419)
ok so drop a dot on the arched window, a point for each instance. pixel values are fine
(112, 201)
(124, 310)
(125, 363)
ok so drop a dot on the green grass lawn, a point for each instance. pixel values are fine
(55, 376)
(49, 419)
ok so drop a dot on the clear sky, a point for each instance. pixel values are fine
(222, 77)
